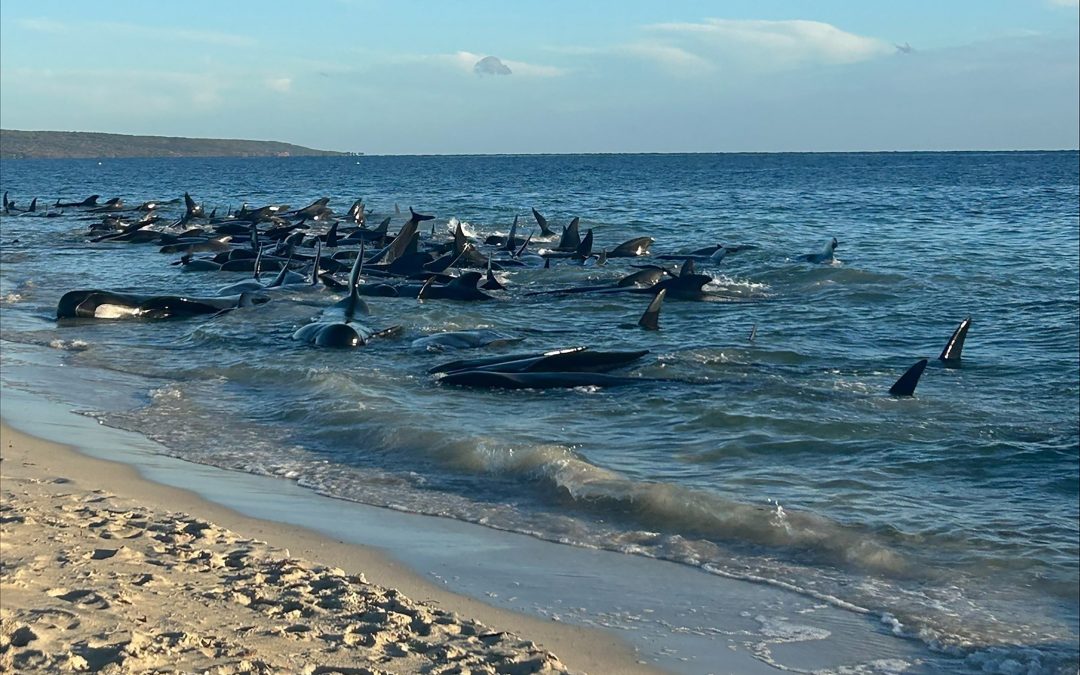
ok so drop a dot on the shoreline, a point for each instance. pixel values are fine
(29, 461)
(599, 611)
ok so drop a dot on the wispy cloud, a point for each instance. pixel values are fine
(279, 84)
(121, 29)
(1065, 3)
(93, 90)
(773, 43)
(670, 57)
(738, 46)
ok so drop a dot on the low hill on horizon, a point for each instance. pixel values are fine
(16, 144)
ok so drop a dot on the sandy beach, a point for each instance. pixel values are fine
(104, 571)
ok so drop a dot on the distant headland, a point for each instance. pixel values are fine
(89, 145)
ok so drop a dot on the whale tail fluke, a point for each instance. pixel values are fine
(419, 217)
(905, 386)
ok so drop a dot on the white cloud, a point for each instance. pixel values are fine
(116, 29)
(1065, 3)
(533, 69)
(775, 44)
(280, 84)
(672, 58)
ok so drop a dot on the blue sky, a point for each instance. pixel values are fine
(401, 77)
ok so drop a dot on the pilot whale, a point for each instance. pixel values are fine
(95, 304)
(573, 359)
(337, 325)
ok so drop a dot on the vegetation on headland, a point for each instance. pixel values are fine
(90, 145)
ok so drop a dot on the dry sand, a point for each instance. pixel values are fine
(104, 571)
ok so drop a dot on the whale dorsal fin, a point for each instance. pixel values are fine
(687, 268)
(357, 269)
(523, 246)
(509, 245)
(905, 386)
(492, 284)
(955, 345)
(570, 239)
(258, 263)
(650, 320)
(423, 289)
(584, 247)
(355, 301)
(318, 261)
(459, 238)
(282, 273)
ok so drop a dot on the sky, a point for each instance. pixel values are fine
(552, 76)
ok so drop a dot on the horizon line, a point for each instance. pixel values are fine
(357, 153)
(348, 154)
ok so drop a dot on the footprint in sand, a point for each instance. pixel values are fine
(79, 597)
(54, 619)
(121, 553)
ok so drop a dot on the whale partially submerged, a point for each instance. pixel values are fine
(337, 326)
(98, 304)
(490, 380)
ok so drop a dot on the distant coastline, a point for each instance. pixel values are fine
(16, 144)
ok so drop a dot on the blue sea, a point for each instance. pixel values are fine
(951, 515)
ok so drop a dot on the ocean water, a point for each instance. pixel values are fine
(952, 515)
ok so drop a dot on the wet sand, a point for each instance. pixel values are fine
(103, 570)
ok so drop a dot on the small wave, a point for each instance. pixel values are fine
(69, 345)
(466, 227)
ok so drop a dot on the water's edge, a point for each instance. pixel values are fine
(678, 618)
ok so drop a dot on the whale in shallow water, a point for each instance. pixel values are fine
(463, 339)
(490, 380)
(636, 247)
(96, 304)
(88, 202)
(572, 360)
(337, 326)
(463, 287)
